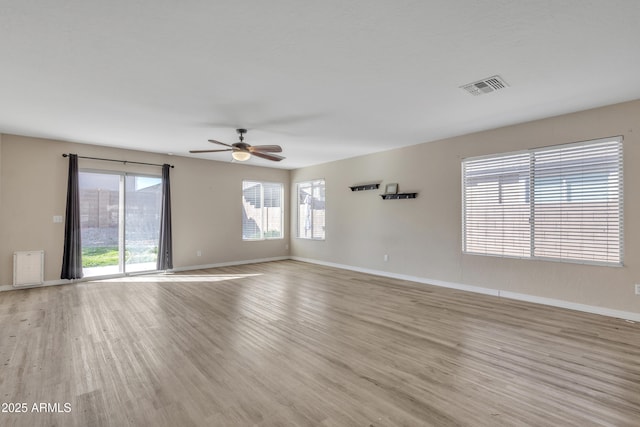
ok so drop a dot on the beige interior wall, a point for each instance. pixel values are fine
(423, 236)
(206, 202)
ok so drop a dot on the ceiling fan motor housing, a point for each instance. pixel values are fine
(242, 146)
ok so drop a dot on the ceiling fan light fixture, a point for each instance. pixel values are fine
(241, 151)
(241, 156)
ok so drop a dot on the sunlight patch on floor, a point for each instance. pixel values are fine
(181, 278)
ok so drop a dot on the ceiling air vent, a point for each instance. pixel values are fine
(488, 85)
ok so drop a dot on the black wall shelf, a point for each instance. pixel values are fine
(399, 196)
(364, 187)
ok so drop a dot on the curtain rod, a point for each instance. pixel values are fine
(120, 161)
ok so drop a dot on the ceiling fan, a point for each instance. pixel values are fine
(241, 151)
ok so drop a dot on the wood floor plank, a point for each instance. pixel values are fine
(293, 344)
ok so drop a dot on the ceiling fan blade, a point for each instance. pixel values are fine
(273, 157)
(210, 151)
(266, 148)
(218, 142)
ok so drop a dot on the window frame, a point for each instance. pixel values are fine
(534, 201)
(312, 183)
(263, 217)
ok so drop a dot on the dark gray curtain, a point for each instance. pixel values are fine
(165, 253)
(72, 256)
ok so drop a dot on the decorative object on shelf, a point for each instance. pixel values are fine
(364, 187)
(391, 188)
(391, 192)
(399, 196)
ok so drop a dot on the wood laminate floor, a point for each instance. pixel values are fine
(294, 344)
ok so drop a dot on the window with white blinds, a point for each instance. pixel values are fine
(559, 203)
(262, 213)
(311, 209)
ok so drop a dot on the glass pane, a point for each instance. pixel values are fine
(318, 210)
(251, 210)
(304, 210)
(578, 202)
(496, 206)
(272, 210)
(142, 222)
(311, 211)
(99, 223)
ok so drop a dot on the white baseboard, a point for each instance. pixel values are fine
(115, 276)
(626, 315)
(41, 285)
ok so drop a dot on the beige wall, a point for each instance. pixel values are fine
(206, 202)
(423, 236)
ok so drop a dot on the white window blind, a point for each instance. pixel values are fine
(560, 203)
(311, 209)
(262, 213)
(496, 205)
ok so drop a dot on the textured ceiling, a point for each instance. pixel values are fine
(326, 80)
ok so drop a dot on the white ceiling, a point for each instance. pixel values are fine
(324, 79)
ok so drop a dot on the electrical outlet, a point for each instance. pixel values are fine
(198, 253)
(637, 288)
(386, 257)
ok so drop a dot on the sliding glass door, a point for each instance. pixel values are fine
(119, 221)
(143, 197)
